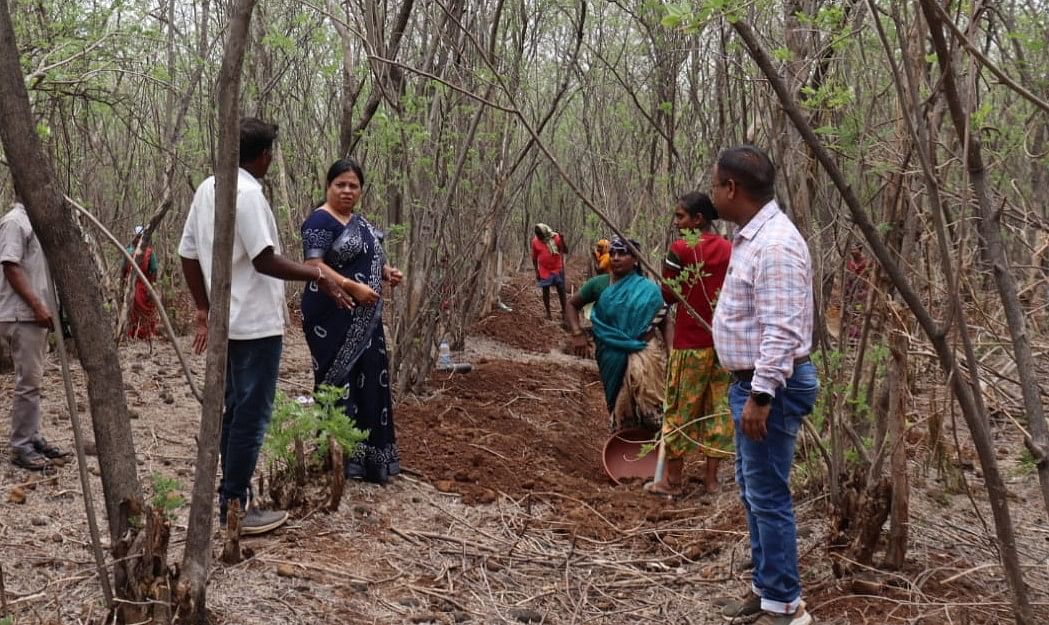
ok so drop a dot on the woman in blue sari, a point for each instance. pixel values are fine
(628, 318)
(349, 346)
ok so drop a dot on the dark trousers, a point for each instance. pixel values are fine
(251, 381)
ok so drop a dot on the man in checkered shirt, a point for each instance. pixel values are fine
(763, 334)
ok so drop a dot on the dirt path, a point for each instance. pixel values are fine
(503, 514)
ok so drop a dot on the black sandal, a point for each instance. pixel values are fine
(29, 460)
(50, 451)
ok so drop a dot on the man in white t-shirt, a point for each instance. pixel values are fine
(256, 316)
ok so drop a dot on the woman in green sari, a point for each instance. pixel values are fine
(631, 332)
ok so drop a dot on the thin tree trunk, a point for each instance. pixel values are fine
(351, 89)
(195, 562)
(381, 72)
(85, 480)
(896, 551)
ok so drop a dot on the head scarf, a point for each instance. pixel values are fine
(546, 235)
(620, 246)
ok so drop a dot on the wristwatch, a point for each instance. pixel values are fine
(761, 398)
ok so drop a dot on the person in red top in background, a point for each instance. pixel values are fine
(142, 317)
(856, 289)
(548, 258)
(694, 417)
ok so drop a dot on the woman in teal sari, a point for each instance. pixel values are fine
(629, 320)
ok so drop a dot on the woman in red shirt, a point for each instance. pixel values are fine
(695, 414)
(548, 258)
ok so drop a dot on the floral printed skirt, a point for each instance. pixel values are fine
(697, 414)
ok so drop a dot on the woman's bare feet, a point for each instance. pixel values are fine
(710, 477)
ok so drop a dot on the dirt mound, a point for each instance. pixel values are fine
(526, 326)
(538, 436)
(532, 426)
(533, 433)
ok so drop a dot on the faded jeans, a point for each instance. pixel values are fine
(251, 382)
(763, 475)
(28, 343)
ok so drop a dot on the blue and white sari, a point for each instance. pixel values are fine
(349, 346)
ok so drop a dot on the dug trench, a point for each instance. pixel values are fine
(530, 422)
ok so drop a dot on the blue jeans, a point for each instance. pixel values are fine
(251, 381)
(763, 475)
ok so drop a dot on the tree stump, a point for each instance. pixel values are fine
(231, 553)
(298, 494)
(858, 521)
(872, 512)
(143, 575)
(338, 477)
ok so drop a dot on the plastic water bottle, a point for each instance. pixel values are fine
(444, 356)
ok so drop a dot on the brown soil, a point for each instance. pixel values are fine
(535, 429)
(538, 438)
(526, 327)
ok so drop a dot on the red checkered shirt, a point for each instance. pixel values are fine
(763, 320)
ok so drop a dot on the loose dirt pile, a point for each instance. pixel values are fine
(544, 442)
(526, 327)
(530, 423)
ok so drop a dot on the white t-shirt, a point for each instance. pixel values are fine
(256, 308)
